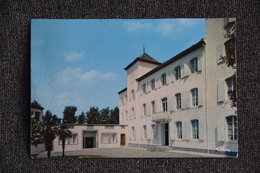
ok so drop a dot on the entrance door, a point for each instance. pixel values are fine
(167, 134)
(122, 139)
(89, 142)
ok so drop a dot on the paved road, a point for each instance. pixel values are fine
(128, 152)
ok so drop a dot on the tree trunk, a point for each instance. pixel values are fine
(63, 147)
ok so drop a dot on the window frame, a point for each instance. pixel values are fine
(111, 137)
(177, 71)
(145, 131)
(163, 79)
(194, 96)
(194, 65)
(232, 133)
(179, 129)
(144, 88)
(195, 129)
(153, 106)
(144, 109)
(178, 100)
(164, 104)
(152, 84)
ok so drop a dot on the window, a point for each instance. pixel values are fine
(164, 104)
(230, 87)
(154, 128)
(152, 84)
(144, 88)
(145, 131)
(195, 129)
(194, 95)
(177, 72)
(70, 141)
(133, 94)
(194, 65)
(179, 129)
(126, 116)
(108, 138)
(178, 101)
(133, 132)
(133, 112)
(144, 109)
(153, 106)
(122, 116)
(163, 78)
(232, 127)
(37, 116)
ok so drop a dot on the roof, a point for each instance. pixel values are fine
(144, 58)
(173, 59)
(123, 90)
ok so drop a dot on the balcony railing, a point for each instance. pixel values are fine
(161, 117)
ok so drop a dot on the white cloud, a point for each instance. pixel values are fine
(135, 25)
(165, 28)
(72, 56)
(77, 76)
(186, 22)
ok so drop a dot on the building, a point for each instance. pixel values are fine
(36, 113)
(92, 136)
(183, 102)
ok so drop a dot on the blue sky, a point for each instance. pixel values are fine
(81, 62)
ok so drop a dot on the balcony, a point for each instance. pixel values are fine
(161, 117)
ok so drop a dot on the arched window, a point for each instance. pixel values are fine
(232, 127)
(195, 129)
(179, 129)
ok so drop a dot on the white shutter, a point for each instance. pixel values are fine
(168, 75)
(182, 70)
(183, 104)
(221, 128)
(202, 129)
(220, 52)
(220, 88)
(171, 102)
(186, 130)
(200, 63)
(173, 130)
(187, 99)
(200, 95)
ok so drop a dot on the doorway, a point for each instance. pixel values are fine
(166, 127)
(89, 139)
(122, 140)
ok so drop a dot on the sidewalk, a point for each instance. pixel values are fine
(130, 152)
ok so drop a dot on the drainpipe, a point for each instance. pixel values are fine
(206, 107)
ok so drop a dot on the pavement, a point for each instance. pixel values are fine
(131, 152)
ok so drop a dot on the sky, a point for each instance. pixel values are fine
(80, 62)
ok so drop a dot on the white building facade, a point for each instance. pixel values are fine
(183, 103)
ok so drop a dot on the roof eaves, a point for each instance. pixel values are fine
(123, 90)
(173, 59)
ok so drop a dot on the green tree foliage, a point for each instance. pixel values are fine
(81, 118)
(93, 115)
(35, 133)
(63, 134)
(103, 116)
(49, 129)
(69, 114)
(230, 59)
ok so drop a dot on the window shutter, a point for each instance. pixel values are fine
(200, 95)
(220, 52)
(182, 71)
(200, 63)
(187, 99)
(221, 129)
(171, 102)
(168, 74)
(174, 75)
(202, 129)
(171, 78)
(183, 104)
(173, 130)
(220, 89)
(186, 130)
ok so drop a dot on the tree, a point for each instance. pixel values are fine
(230, 59)
(81, 118)
(35, 133)
(69, 114)
(93, 115)
(114, 116)
(48, 130)
(104, 116)
(63, 134)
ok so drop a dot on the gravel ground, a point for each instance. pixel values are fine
(127, 152)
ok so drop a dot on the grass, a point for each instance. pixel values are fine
(85, 156)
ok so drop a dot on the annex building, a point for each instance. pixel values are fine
(183, 102)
